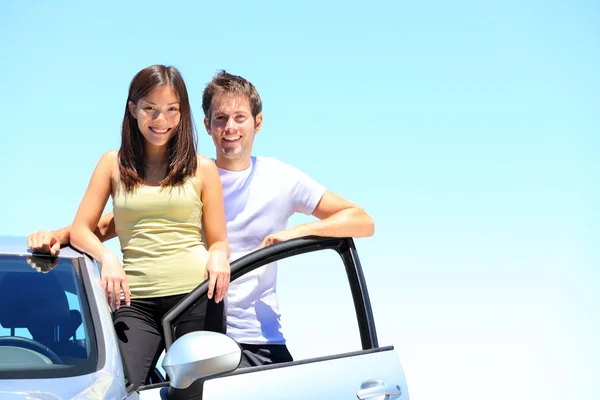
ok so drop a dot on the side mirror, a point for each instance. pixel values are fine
(198, 355)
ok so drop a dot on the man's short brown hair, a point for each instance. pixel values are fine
(224, 82)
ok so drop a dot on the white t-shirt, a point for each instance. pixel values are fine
(259, 202)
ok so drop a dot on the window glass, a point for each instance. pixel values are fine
(317, 309)
(45, 325)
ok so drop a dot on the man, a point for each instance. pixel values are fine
(260, 195)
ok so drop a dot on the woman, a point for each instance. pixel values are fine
(166, 198)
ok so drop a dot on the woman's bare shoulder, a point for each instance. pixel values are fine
(110, 156)
(109, 162)
(205, 164)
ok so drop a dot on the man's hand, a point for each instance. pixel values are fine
(114, 280)
(218, 273)
(44, 242)
(280, 237)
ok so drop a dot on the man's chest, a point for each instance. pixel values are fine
(256, 212)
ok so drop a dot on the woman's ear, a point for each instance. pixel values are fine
(132, 108)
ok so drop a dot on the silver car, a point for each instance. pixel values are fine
(57, 339)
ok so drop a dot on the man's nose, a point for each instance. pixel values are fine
(230, 124)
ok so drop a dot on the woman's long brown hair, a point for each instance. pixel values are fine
(182, 159)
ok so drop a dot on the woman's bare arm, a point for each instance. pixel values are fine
(213, 221)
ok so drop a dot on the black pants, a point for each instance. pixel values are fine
(140, 332)
(264, 354)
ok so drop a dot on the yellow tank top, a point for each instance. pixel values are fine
(160, 231)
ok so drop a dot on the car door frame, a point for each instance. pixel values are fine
(345, 247)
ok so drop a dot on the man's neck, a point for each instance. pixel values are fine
(233, 164)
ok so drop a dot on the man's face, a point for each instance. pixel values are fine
(232, 126)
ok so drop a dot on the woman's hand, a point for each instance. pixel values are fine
(114, 280)
(218, 273)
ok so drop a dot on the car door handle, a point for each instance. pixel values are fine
(377, 387)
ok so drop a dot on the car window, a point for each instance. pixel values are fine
(45, 325)
(315, 301)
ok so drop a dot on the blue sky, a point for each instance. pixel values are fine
(468, 129)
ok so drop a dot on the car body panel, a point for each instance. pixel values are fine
(332, 378)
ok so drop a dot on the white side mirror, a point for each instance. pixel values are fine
(198, 355)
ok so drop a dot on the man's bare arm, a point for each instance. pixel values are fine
(337, 216)
(50, 242)
(106, 227)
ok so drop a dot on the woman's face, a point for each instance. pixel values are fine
(157, 115)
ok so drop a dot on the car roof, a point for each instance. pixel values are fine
(17, 245)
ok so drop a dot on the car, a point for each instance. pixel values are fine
(57, 339)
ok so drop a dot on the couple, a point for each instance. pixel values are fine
(167, 199)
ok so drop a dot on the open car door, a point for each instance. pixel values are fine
(371, 373)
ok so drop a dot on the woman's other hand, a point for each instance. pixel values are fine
(218, 273)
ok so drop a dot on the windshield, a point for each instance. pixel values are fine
(45, 325)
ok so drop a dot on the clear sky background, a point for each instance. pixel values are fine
(468, 129)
